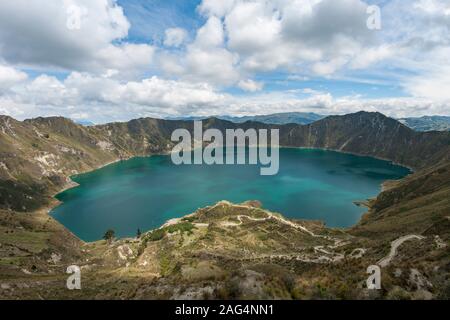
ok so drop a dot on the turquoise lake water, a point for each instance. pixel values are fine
(146, 192)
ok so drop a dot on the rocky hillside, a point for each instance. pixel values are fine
(225, 251)
(37, 156)
(419, 203)
(372, 134)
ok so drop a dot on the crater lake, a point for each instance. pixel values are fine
(146, 192)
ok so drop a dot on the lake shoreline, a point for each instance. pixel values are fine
(72, 184)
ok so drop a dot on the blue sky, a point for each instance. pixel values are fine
(108, 60)
(149, 20)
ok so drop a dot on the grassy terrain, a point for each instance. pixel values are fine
(208, 257)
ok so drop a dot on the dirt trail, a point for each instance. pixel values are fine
(269, 216)
(328, 256)
(394, 249)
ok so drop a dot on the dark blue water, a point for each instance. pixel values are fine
(146, 192)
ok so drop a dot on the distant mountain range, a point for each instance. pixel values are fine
(276, 118)
(279, 118)
(85, 123)
(427, 123)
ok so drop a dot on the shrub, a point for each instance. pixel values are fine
(156, 235)
(109, 235)
(399, 294)
(182, 227)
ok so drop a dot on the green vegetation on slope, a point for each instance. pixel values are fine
(258, 256)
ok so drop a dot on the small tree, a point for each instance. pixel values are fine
(109, 235)
(138, 233)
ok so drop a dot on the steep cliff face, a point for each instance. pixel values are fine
(37, 156)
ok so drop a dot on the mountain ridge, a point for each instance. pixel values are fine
(275, 118)
(421, 124)
(44, 152)
(225, 251)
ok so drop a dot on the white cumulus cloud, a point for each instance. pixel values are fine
(72, 35)
(10, 76)
(175, 37)
(250, 85)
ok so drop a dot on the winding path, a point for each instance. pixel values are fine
(327, 257)
(270, 216)
(394, 249)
